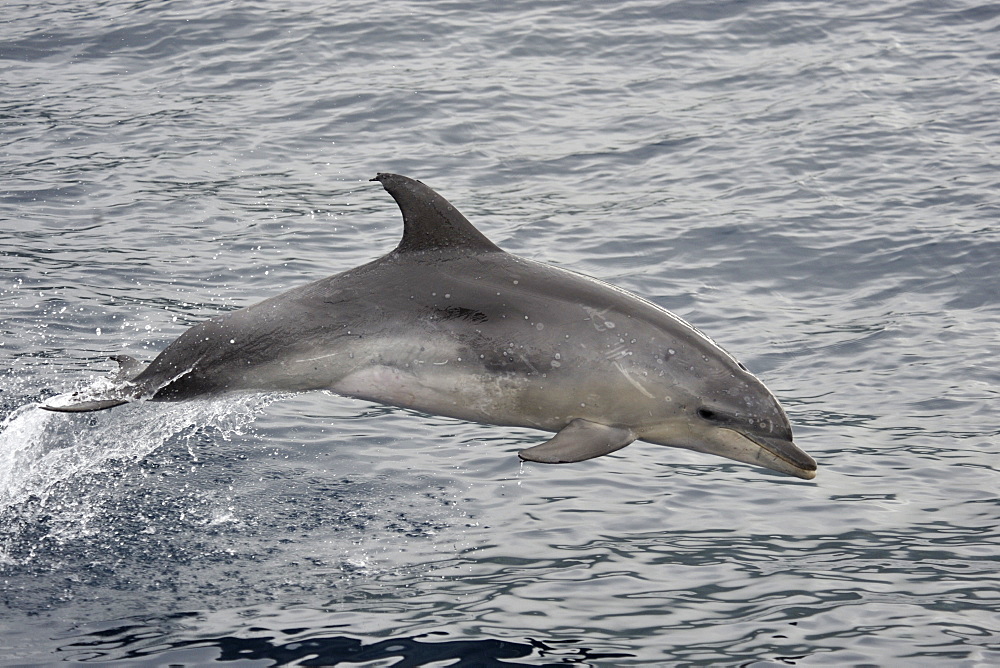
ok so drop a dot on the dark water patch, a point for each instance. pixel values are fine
(137, 640)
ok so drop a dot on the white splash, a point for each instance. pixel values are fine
(39, 448)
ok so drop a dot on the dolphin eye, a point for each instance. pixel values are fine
(707, 413)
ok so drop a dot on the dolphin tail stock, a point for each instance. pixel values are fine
(106, 393)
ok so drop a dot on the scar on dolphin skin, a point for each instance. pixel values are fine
(510, 341)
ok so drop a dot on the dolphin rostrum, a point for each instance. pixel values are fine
(448, 323)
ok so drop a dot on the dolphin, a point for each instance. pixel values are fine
(448, 323)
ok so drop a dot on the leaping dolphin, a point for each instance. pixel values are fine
(449, 323)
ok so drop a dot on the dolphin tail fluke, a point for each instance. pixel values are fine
(55, 404)
(102, 395)
(128, 368)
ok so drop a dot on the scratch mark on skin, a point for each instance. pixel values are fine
(632, 380)
(618, 351)
(313, 359)
(529, 365)
(598, 318)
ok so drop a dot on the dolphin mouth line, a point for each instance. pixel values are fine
(787, 452)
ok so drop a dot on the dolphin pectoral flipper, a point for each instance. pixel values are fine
(578, 441)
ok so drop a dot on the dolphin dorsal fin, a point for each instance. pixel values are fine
(430, 222)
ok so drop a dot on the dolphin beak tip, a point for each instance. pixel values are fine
(806, 474)
(806, 469)
(785, 457)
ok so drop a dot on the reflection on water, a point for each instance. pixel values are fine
(301, 647)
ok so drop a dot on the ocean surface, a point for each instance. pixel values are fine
(815, 185)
